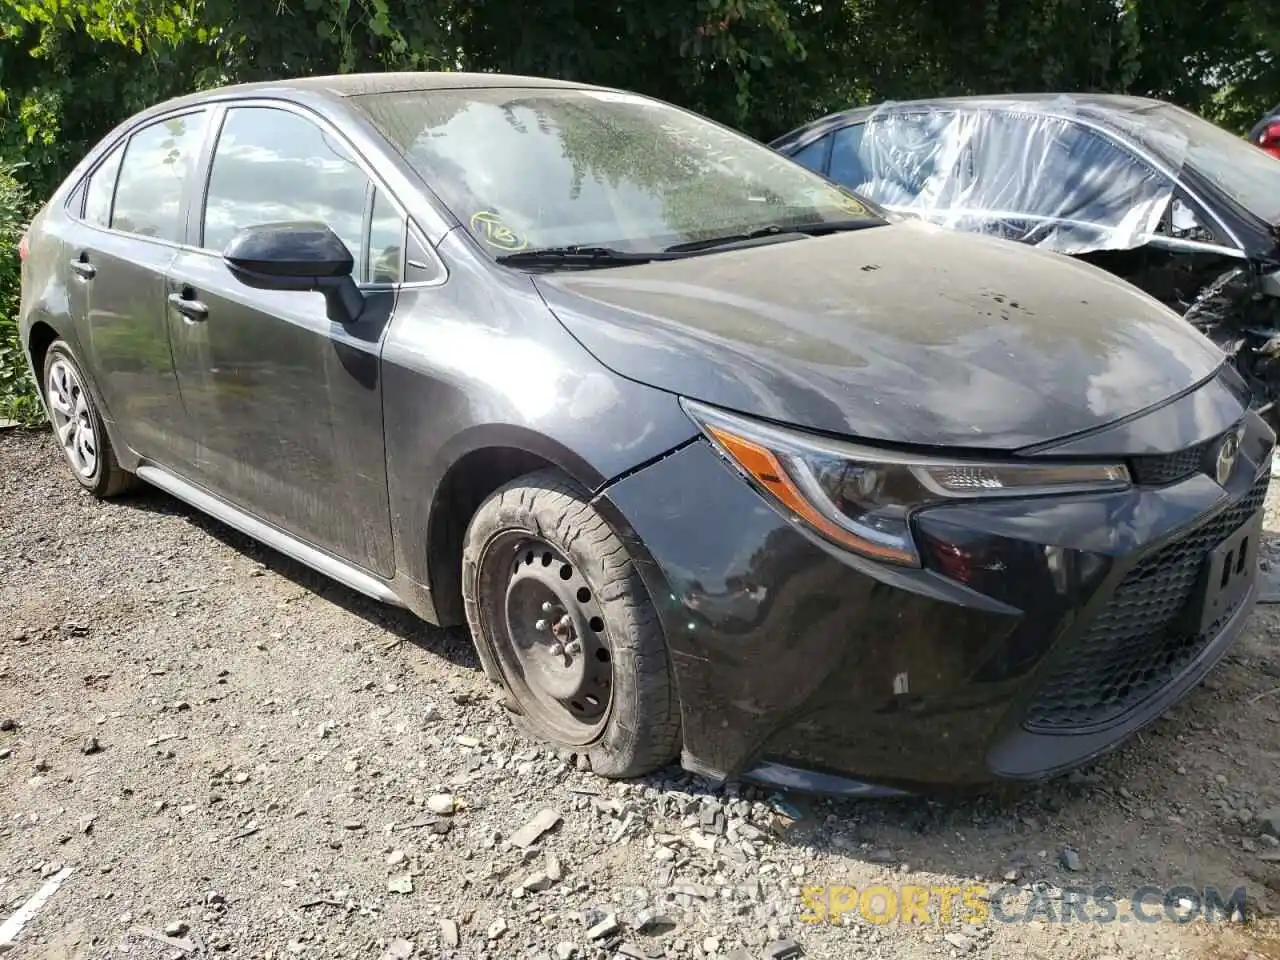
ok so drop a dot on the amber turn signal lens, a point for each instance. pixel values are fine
(763, 466)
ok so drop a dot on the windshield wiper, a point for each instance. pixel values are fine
(775, 230)
(554, 256)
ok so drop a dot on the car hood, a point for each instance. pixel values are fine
(903, 333)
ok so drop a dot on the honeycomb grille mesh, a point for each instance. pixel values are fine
(1163, 469)
(1135, 645)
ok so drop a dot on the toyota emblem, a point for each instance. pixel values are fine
(1227, 453)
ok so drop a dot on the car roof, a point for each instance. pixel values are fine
(1096, 106)
(343, 86)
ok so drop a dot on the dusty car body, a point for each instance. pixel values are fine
(714, 461)
(1150, 192)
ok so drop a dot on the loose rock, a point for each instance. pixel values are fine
(651, 921)
(543, 821)
(605, 928)
(1268, 823)
(554, 871)
(442, 804)
(400, 883)
(449, 934)
(783, 950)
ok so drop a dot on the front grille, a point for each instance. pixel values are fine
(1137, 644)
(1159, 470)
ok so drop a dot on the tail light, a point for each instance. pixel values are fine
(22, 248)
(1269, 139)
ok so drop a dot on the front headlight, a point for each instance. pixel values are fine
(861, 498)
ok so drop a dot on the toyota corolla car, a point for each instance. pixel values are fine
(715, 461)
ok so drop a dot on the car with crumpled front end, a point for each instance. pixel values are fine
(1163, 198)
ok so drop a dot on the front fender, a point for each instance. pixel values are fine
(479, 363)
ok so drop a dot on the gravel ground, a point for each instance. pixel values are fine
(233, 753)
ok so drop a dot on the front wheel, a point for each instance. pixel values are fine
(557, 605)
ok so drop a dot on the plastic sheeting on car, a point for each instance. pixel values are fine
(1035, 172)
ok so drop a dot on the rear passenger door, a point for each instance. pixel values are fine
(285, 405)
(131, 214)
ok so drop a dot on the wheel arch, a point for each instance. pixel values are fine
(478, 463)
(40, 338)
(42, 331)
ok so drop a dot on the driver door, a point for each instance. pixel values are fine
(285, 405)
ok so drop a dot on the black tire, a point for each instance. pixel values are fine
(107, 478)
(639, 731)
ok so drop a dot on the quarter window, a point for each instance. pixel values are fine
(101, 189)
(1183, 223)
(157, 162)
(273, 166)
(386, 241)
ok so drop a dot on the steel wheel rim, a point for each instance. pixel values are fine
(72, 420)
(549, 634)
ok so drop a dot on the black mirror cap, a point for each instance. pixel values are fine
(301, 251)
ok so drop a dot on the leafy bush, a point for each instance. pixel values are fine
(18, 400)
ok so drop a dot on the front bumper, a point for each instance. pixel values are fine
(1041, 633)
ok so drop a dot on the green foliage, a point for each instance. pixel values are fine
(18, 399)
(72, 69)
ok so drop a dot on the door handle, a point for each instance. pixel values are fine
(191, 309)
(85, 269)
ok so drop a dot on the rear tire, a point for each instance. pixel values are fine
(560, 613)
(78, 427)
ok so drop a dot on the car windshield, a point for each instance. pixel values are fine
(532, 168)
(1248, 175)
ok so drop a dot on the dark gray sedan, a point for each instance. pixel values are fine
(714, 461)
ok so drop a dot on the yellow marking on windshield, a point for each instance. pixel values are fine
(489, 227)
(852, 205)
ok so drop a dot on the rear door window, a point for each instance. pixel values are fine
(1078, 188)
(157, 163)
(274, 166)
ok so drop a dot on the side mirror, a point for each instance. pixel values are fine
(297, 256)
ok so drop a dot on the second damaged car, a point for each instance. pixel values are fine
(715, 462)
(1146, 190)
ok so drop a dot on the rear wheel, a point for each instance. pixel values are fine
(556, 603)
(78, 426)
